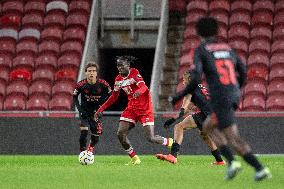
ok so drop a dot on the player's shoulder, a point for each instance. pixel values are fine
(134, 71)
(81, 83)
(104, 82)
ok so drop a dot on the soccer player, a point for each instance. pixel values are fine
(225, 75)
(94, 92)
(199, 98)
(139, 108)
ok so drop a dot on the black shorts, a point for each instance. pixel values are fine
(224, 115)
(94, 126)
(199, 118)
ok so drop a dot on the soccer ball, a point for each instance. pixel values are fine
(86, 157)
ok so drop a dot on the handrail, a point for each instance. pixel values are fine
(159, 58)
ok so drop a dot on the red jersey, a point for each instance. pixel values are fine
(129, 85)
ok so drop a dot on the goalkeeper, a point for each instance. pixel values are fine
(200, 99)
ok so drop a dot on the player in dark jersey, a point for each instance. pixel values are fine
(200, 99)
(139, 107)
(225, 75)
(94, 92)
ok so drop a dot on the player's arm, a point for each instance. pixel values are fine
(106, 92)
(76, 102)
(113, 97)
(195, 78)
(142, 87)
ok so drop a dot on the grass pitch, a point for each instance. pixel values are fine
(196, 172)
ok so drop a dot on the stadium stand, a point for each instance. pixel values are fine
(41, 46)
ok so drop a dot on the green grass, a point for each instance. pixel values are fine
(194, 172)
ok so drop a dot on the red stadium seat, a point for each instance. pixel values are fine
(187, 58)
(77, 19)
(24, 61)
(1, 97)
(74, 33)
(80, 6)
(279, 6)
(60, 103)
(2, 88)
(18, 87)
(193, 17)
(6, 60)
(197, 6)
(253, 103)
(261, 32)
(15, 102)
(177, 6)
(238, 32)
(66, 74)
(190, 32)
(241, 6)
(222, 34)
(71, 46)
(277, 59)
(257, 73)
(11, 20)
(13, 6)
(259, 45)
(66, 87)
(258, 59)
(52, 33)
(240, 18)
(266, 5)
(275, 87)
(277, 46)
(48, 46)
(277, 73)
(221, 17)
(55, 18)
(262, 18)
(7, 46)
(37, 103)
(33, 20)
(27, 46)
(20, 74)
(255, 88)
(40, 87)
(219, 5)
(190, 44)
(240, 46)
(278, 33)
(71, 60)
(37, 6)
(43, 74)
(46, 60)
(275, 103)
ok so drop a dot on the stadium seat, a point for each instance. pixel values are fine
(275, 103)
(241, 6)
(8, 33)
(24, 60)
(177, 6)
(219, 6)
(60, 103)
(277, 73)
(57, 5)
(266, 5)
(193, 17)
(239, 45)
(20, 74)
(13, 6)
(261, 32)
(253, 103)
(197, 6)
(32, 20)
(2, 88)
(7, 46)
(264, 18)
(71, 46)
(277, 59)
(190, 44)
(29, 33)
(66, 74)
(80, 6)
(257, 72)
(40, 87)
(15, 102)
(187, 58)
(242, 18)
(279, 6)
(275, 87)
(43, 74)
(255, 88)
(66, 87)
(37, 6)
(222, 34)
(27, 46)
(37, 103)
(77, 19)
(278, 33)
(17, 87)
(53, 33)
(11, 20)
(71, 60)
(46, 60)
(277, 46)
(49, 46)
(258, 58)
(55, 18)
(6, 60)
(259, 45)
(221, 17)
(1, 97)
(74, 33)
(238, 32)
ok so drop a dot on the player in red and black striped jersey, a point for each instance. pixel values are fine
(225, 74)
(94, 92)
(198, 98)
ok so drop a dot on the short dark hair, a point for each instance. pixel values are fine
(126, 58)
(91, 64)
(207, 27)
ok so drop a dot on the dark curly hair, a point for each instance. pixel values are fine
(207, 27)
(127, 58)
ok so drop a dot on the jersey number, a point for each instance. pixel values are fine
(226, 71)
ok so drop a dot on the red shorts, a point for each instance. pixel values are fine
(133, 116)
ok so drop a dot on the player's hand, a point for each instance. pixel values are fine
(169, 122)
(98, 115)
(136, 94)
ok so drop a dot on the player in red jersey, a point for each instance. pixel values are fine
(139, 108)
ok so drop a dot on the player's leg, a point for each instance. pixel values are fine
(96, 131)
(84, 129)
